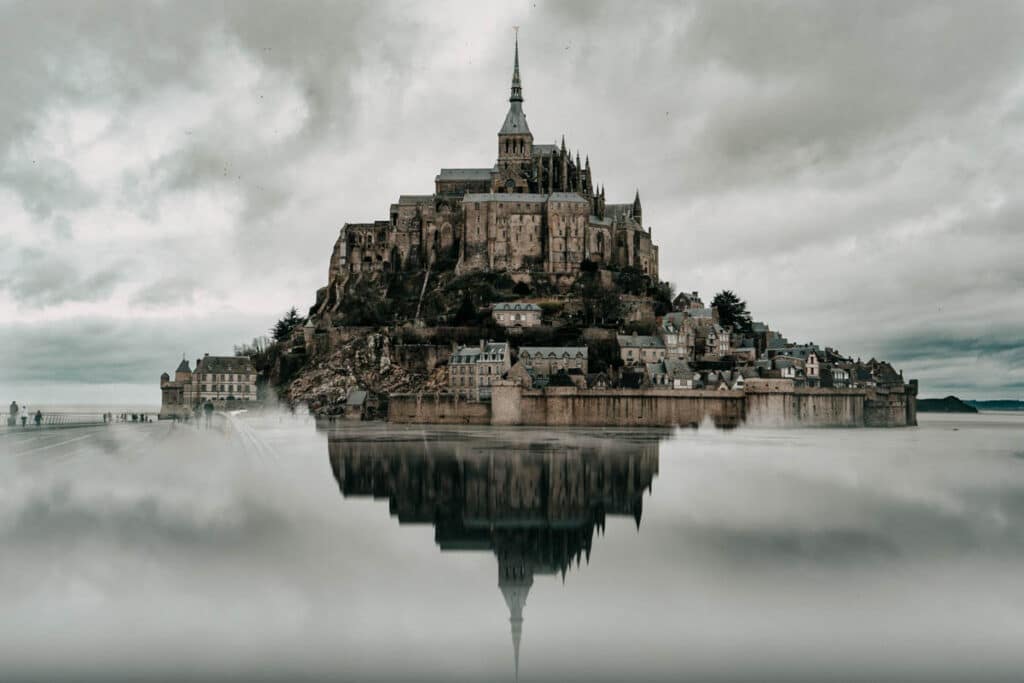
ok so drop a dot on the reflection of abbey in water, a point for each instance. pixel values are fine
(535, 504)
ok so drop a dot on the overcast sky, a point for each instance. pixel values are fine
(173, 176)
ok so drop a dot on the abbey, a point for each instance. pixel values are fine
(535, 210)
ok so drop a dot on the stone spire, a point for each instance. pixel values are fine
(517, 86)
(515, 120)
(637, 210)
(514, 580)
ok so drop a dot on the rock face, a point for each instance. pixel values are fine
(361, 363)
(950, 404)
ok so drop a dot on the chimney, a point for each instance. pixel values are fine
(482, 344)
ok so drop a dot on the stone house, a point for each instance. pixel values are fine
(473, 369)
(716, 341)
(637, 349)
(673, 373)
(223, 380)
(679, 332)
(687, 300)
(835, 377)
(547, 360)
(517, 314)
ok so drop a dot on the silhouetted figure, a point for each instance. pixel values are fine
(13, 418)
(39, 418)
(208, 410)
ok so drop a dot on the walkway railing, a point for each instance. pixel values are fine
(57, 420)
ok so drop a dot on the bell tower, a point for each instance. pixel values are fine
(515, 141)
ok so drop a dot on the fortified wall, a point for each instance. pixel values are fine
(766, 403)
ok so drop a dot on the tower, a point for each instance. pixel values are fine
(515, 577)
(515, 141)
(637, 210)
(183, 373)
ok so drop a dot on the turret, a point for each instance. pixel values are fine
(183, 373)
(637, 210)
(563, 173)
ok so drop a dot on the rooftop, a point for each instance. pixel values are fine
(553, 351)
(635, 341)
(516, 306)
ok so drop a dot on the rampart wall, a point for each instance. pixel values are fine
(437, 409)
(774, 403)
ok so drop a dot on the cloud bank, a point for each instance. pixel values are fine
(848, 169)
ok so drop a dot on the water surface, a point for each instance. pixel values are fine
(267, 549)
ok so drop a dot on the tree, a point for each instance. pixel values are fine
(283, 327)
(521, 289)
(466, 314)
(732, 311)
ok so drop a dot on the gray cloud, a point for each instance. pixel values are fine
(40, 278)
(850, 169)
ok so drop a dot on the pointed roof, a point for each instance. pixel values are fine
(183, 366)
(515, 586)
(515, 120)
(636, 203)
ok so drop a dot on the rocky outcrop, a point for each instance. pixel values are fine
(365, 362)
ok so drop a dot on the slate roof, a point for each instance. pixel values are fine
(636, 341)
(567, 197)
(801, 352)
(544, 150)
(356, 397)
(183, 366)
(675, 367)
(415, 198)
(464, 174)
(505, 197)
(235, 364)
(515, 121)
(473, 354)
(516, 306)
(553, 351)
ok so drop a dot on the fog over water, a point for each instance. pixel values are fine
(268, 549)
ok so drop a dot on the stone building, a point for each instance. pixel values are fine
(516, 314)
(221, 379)
(473, 369)
(547, 360)
(638, 349)
(536, 210)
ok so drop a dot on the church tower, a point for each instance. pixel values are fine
(515, 142)
(515, 577)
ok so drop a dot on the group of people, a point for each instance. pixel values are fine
(127, 417)
(21, 413)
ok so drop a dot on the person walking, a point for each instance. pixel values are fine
(208, 409)
(24, 415)
(12, 419)
(39, 418)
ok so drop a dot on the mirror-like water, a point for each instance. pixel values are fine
(267, 549)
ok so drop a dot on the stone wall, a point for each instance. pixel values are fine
(778, 405)
(437, 409)
(569, 406)
(770, 403)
